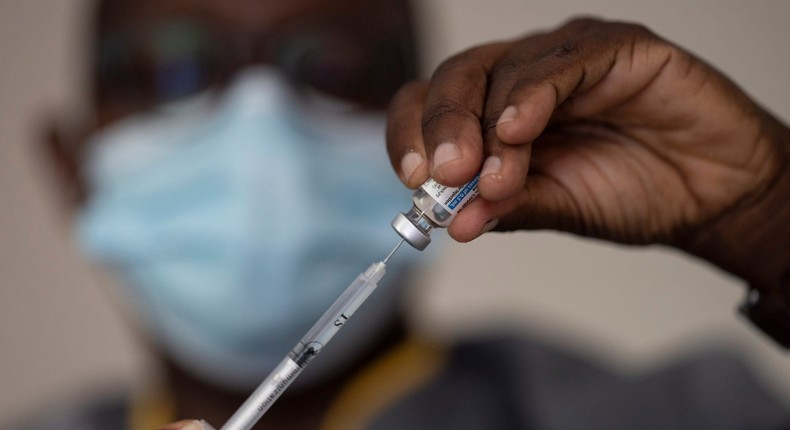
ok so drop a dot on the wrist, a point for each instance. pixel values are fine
(752, 239)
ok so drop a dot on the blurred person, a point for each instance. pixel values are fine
(235, 181)
(234, 184)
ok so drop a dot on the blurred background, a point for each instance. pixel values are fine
(62, 334)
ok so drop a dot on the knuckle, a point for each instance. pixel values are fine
(451, 65)
(464, 69)
(568, 48)
(504, 68)
(490, 120)
(463, 58)
(434, 114)
(461, 79)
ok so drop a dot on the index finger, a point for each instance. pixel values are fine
(451, 121)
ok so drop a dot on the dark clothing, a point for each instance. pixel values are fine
(516, 384)
(513, 383)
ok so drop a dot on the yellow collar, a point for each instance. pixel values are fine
(407, 367)
(151, 410)
(404, 369)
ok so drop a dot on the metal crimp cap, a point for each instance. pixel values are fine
(411, 230)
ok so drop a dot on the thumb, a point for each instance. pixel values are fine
(542, 204)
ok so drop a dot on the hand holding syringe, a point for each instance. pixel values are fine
(434, 206)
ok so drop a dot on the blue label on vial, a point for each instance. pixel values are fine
(463, 192)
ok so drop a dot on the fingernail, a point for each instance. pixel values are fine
(492, 166)
(509, 114)
(489, 225)
(445, 153)
(410, 163)
(195, 425)
(188, 425)
(184, 425)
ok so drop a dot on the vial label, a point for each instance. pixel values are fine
(452, 199)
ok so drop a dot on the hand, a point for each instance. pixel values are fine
(624, 135)
(188, 425)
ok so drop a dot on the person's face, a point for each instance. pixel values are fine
(148, 52)
(209, 182)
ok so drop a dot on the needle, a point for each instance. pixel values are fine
(393, 251)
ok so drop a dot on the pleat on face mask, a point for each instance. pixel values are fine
(235, 221)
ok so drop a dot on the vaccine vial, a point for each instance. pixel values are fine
(435, 206)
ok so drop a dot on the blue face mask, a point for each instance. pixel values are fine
(235, 222)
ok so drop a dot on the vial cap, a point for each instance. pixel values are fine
(410, 232)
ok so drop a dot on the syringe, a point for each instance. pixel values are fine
(311, 344)
(435, 206)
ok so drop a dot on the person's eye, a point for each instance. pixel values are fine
(182, 60)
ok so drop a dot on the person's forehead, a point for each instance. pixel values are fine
(251, 15)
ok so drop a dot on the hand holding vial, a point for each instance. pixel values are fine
(606, 130)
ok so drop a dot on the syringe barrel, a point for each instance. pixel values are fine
(311, 344)
(264, 396)
(336, 316)
(435, 206)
